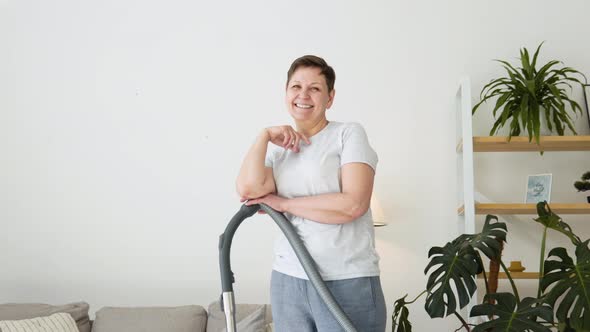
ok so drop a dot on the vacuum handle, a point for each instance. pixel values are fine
(225, 239)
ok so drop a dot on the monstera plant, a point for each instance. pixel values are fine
(563, 298)
(528, 94)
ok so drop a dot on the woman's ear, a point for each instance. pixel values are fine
(331, 98)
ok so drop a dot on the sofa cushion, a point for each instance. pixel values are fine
(191, 318)
(17, 311)
(249, 317)
(59, 322)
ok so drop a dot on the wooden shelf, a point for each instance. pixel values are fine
(521, 144)
(508, 208)
(515, 275)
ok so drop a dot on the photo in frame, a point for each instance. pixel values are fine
(538, 188)
(587, 100)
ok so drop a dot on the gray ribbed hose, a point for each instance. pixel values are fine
(303, 255)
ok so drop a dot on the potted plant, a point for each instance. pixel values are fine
(563, 289)
(584, 185)
(528, 94)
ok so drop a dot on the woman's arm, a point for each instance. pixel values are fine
(255, 180)
(333, 208)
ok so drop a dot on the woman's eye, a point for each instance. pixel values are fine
(315, 89)
(296, 87)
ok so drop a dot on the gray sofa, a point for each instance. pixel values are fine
(190, 318)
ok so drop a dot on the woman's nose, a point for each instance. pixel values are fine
(304, 93)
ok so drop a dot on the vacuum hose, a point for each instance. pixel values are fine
(227, 277)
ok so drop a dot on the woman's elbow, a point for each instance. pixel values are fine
(250, 190)
(244, 190)
(356, 210)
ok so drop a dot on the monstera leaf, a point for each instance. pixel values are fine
(455, 264)
(400, 316)
(553, 221)
(488, 241)
(510, 317)
(571, 283)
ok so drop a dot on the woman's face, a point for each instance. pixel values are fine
(307, 95)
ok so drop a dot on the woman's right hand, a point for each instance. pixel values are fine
(286, 137)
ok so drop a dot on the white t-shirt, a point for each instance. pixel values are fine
(341, 251)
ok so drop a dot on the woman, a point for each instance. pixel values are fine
(320, 175)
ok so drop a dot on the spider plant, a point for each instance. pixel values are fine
(528, 93)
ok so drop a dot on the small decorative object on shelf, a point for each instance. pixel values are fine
(538, 188)
(584, 185)
(516, 266)
(528, 95)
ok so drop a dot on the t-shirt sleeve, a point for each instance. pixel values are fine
(356, 147)
(269, 159)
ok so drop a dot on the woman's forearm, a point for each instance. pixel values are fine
(252, 177)
(334, 208)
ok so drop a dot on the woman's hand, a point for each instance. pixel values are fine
(272, 200)
(286, 137)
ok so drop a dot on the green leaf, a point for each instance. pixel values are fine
(488, 241)
(400, 316)
(555, 92)
(526, 66)
(488, 96)
(501, 101)
(571, 285)
(552, 221)
(534, 65)
(456, 268)
(546, 67)
(510, 315)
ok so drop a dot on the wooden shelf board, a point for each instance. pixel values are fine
(510, 208)
(506, 208)
(514, 275)
(520, 144)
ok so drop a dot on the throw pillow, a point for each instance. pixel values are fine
(17, 311)
(216, 318)
(254, 322)
(60, 322)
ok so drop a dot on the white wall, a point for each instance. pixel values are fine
(123, 123)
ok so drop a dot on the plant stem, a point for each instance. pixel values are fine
(485, 277)
(465, 325)
(542, 261)
(511, 281)
(417, 297)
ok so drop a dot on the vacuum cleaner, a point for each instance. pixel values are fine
(227, 276)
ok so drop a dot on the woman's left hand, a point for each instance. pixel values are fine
(272, 200)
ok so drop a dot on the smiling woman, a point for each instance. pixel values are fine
(320, 174)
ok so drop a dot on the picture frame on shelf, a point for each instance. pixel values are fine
(538, 188)
(587, 100)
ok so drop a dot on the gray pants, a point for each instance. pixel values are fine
(297, 307)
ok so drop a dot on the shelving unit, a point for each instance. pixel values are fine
(515, 275)
(467, 145)
(517, 208)
(522, 144)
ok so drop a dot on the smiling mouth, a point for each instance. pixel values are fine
(304, 106)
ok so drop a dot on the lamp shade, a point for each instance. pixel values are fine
(377, 212)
